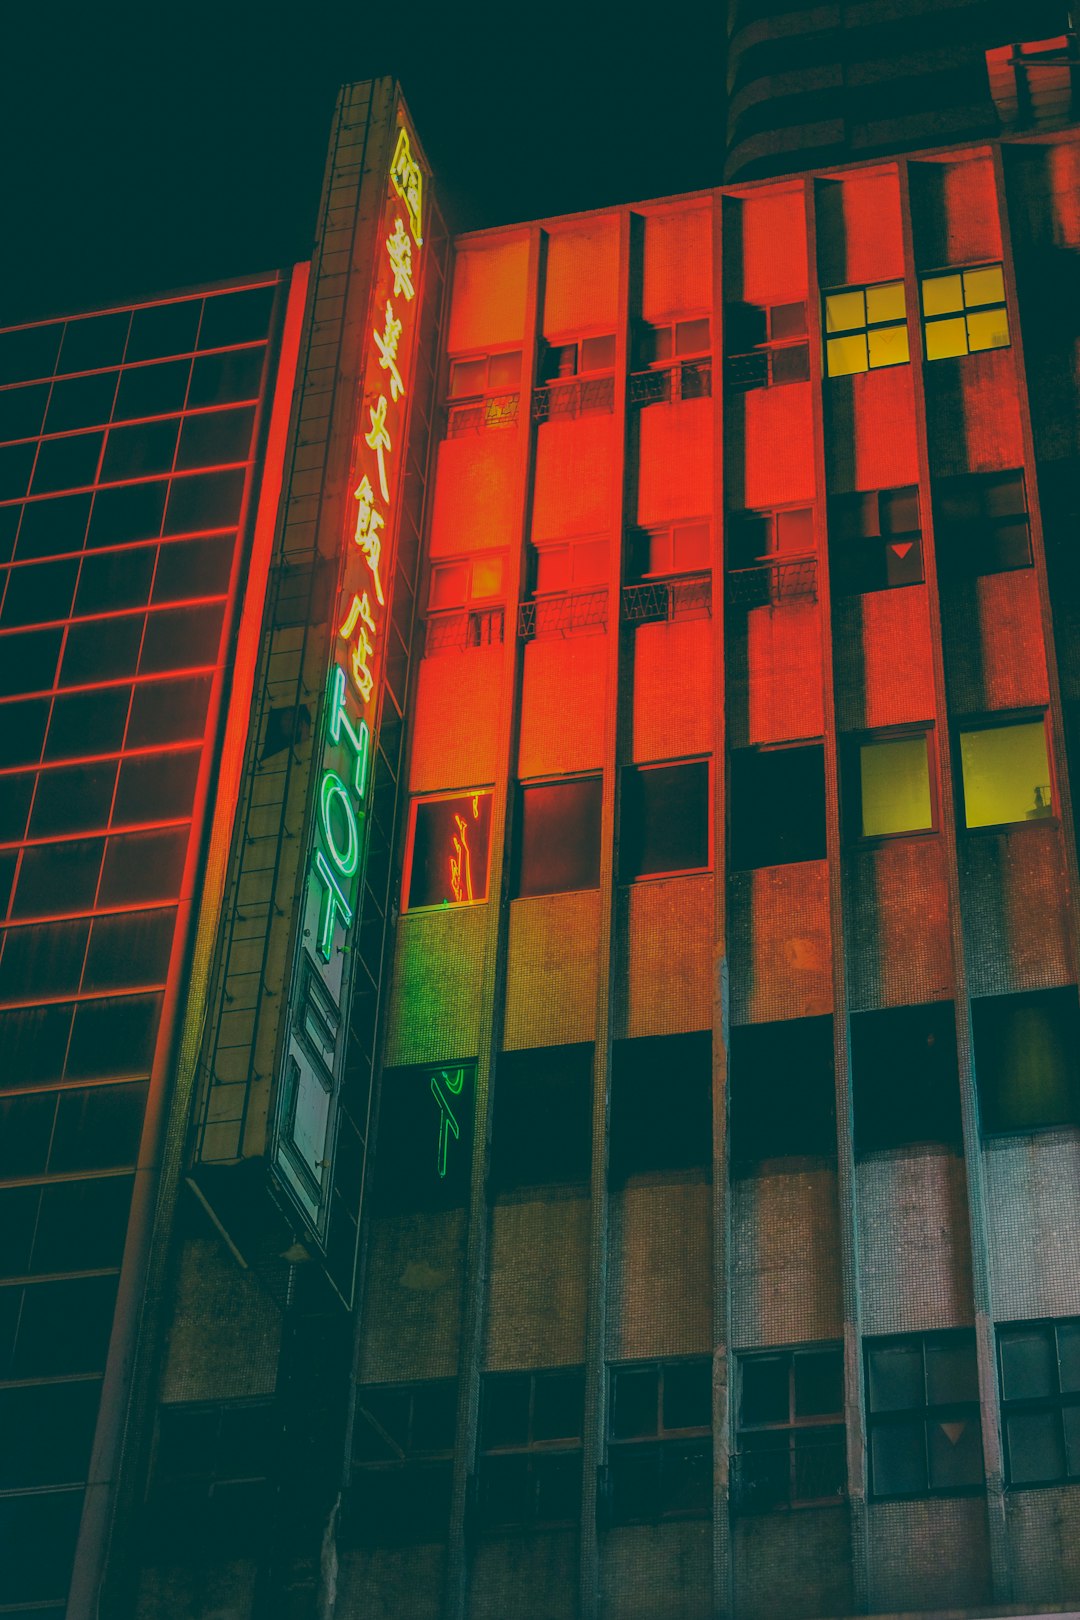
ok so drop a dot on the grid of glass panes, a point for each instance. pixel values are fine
(126, 451)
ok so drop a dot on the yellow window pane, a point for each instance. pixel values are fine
(988, 329)
(887, 302)
(984, 286)
(941, 295)
(844, 311)
(945, 337)
(487, 576)
(895, 787)
(1006, 774)
(888, 346)
(846, 354)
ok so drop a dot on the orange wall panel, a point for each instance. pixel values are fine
(770, 457)
(455, 716)
(1016, 927)
(973, 413)
(675, 461)
(883, 658)
(576, 468)
(562, 676)
(859, 231)
(870, 441)
(669, 953)
(954, 212)
(898, 944)
(672, 690)
(781, 952)
(581, 279)
(475, 504)
(487, 306)
(775, 675)
(765, 247)
(551, 967)
(677, 275)
(659, 1302)
(434, 1009)
(994, 652)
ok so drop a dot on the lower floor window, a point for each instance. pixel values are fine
(923, 1413)
(791, 1448)
(1040, 1401)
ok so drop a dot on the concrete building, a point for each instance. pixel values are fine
(613, 1128)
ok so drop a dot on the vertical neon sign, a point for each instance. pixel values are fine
(336, 856)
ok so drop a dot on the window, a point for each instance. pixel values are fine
(923, 1415)
(766, 346)
(677, 548)
(212, 1471)
(1006, 773)
(890, 786)
(1031, 81)
(659, 1441)
(571, 565)
(542, 1130)
(1039, 1364)
(578, 359)
(777, 806)
(1026, 1057)
(981, 524)
(425, 1138)
(875, 540)
(402, 1448)
(558, 836)
(664, 820)
(964, 312)
(661, 1104)
(755, 538)
(464, 609)
(904, 1077)
(791, 1451)
(673, 340)
(484, 374)
(530, 1449)
(866, 328)
(783, 1098)
(448, 857)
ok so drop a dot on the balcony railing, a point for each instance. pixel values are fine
(767, 584)
(688, 597)
(573, 397)
(687, 379)
(812, 1473)
(456, 632)
(500, 410)
(767, 366)
(563, 615)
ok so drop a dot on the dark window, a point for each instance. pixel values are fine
(543, 1117)
(766, 346)
(73, 800)
(168, 711)
(130, 949)
(1026, 1059)
(44, 591)
(29, 352)
(889, 785)
(664, 819)
(188, 569)
(181, 638)
(58, 877)
(771, 536)
(219, 379)
(558, 836)
(904, 1078)
(22, 410)
(923, 1414)
(25, 1133)
(152, 390)
(163, 329)
(875, 540)
(659, 1441)
(22, 728)
(41, 961)
(97, 1128)
(101, 650)
(37, 1534)
(28, 661)
(156, 788)
(587, 355)
(211, 1469)
(530, 1449)
(215, 439)
(66, 463)
(33, 1041)
(661, 1104)
(236, 317)
(136, 452)
(15, 796)
(132, 512)
(82, 1224)
(450, 850)
(93, 342)
(143, 867)
(425, 1136)
(782, 1089)
(48, 1430)
(63, 1327)
(115, 579)
(1040, 1401)
(791, 1449)
(205, 501)
(672, 340)
(777, 806)
(981, 524)
(113, 1038)
(16, 462)
(402, 1447)
(81, 402)
(50, 527)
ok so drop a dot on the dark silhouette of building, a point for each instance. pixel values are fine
(539, 985)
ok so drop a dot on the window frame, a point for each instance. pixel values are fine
(954, 553)
(674, 1443)
(629, 772)
(793, 1426)
(416, 800)
(1000, 720)
(531, 1451)
(864, 328)
(767, 349)
(841, 545)
(851, 747)
(641, 542)
(518, 826)
(470, 357)
(926, 1413)
(1036, 1404)
(962, 270)
(647, 330)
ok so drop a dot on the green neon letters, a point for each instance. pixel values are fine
(359, 736)
(331, 788)
(334, 874)
(454, 1080)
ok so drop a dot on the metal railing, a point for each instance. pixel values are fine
(563, 615)
(686, 379)
(573, 397)
(767, 584)
(456, 632)
(688, 597)
(500, 410)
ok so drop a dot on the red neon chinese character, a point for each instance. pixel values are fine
(368, 524)
(358, 622)
(378, 439)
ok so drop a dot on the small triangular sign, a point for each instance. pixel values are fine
(901, 548)
(953, 1431)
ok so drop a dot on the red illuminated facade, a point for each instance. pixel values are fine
(539, 992)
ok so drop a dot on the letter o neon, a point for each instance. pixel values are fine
(333, 787)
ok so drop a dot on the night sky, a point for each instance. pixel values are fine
(150, 148)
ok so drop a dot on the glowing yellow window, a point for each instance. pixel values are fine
(866, 328)
(894, 782)
(964, 312)
(1006, 774)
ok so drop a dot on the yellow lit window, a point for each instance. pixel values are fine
(866, 329)
(964, 312)
(894, 785)
(1006, 774)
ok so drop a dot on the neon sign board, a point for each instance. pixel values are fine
(336, 854)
